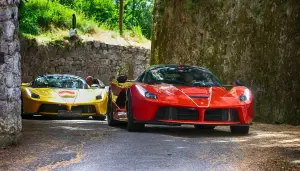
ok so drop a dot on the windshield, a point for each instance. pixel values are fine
(60, 81)
(177, 75)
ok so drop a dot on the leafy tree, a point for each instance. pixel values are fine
(137, 14)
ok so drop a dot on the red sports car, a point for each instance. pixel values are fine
(174, 94)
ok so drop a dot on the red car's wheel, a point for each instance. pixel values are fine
(110, 119)
(131, 125)
(239, 129)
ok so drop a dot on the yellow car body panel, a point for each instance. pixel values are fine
(116, 89)
(67, 98)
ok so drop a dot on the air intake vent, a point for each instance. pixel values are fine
(221, 115)
(175, 113)
(51, 108)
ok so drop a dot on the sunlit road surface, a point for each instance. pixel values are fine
(90, 145)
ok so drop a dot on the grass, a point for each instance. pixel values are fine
(135, 34)
(49, 20)
(39, 16)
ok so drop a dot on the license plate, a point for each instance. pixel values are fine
(65, 113)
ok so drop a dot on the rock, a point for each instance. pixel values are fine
(10, 106)
(3, 3)
(97, 44)
(5, 13)
(101, 59)
(8, 30)
(9, 80)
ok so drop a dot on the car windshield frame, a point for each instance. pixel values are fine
(59, 81)
(180, 71)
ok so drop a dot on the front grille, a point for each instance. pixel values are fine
(176, 113)
(221, 115)
(51, 108)
(84, 108)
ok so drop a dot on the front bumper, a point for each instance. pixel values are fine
(149, 111)
(31, 106)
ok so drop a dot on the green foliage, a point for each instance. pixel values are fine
(137, 32)
(40, 15)
(190, 3)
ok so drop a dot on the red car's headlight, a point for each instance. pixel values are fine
(145, 93)
(245, 96)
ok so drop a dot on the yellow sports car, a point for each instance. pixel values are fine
(63, 95)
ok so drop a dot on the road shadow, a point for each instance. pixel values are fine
(43, 117)
(186, 131)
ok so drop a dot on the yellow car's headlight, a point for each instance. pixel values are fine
(31, 94)
(100, 96)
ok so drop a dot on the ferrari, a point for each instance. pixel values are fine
(177, 95)
(63, 95)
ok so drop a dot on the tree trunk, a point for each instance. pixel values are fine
(121, 16)
(256, 42)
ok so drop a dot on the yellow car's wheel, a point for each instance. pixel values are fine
(100, 118)
(24, 116)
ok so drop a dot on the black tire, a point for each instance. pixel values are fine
(99, 117)
(205, 127)
(85, 117)
(110, 119)
(22, 110)
(27, 116)
(239, 129)
(132, 126)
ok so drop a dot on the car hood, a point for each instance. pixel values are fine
(69, 96)
(194, 96)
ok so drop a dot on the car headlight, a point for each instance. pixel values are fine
(100, 96)
(245, 96)
(32, 95)
(145, 93)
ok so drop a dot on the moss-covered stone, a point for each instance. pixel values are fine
(255, 41)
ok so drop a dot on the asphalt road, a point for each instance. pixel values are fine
(89, 145)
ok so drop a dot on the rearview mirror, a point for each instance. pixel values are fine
(239, 83)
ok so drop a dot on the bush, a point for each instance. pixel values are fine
(137, 32)
(39, 15)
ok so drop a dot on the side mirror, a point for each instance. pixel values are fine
(25, 84)
(122, 79)
(239, 83)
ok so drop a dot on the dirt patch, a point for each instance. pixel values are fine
(271, 147)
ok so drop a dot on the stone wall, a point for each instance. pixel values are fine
(97, 59)
(10, 79)
(256, 41)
